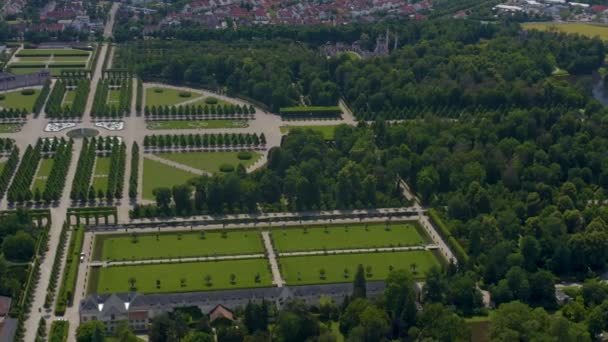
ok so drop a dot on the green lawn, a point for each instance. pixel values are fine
(9, 128)
(173, 245)
(589, 30)
(158, 175)
(23, 71)
(54, 52)
(209, 161)
(168, 97)
(327, 131)
(114, 97)
(15, 99)
(33, 59)
(46, 165)
(69, 97)
(57, 71)
(202, 102)
(347, 236)
(306, 269)
(82, 59)
(100, 175)
(2, 165)
(30, 64)
(201, 124)
(116, 279)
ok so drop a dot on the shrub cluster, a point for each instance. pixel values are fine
(205, 140)
(198, 110)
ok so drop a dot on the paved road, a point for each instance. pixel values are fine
(277, 279)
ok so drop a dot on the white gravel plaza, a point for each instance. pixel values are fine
(111, 125)
(58, 126)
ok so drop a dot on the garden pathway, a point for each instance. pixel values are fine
(272, 259)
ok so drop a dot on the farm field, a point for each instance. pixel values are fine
(100, 174)
(176, 244)
(302, 270)
(9, 128)
(589, 30)
(46, 165)
(201, 124)
(158, 175)
(115, 279)
(348, 236)
(15, 99)
(327, 131)
(168, 97)
(210, 161)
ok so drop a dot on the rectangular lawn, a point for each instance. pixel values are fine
(10, 128)
(348, 236)
(210, 161)
(115, 279)
(15, 99)
(306, 269)
(589, 30)
(328, 132)
(46, 165)
(168, 97)
(197, 124)
(23, 71)
(173, 245)
(114, 97)
(69, 97)
(100, 174)
(157, 175)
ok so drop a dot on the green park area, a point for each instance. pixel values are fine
(181, 277)
(348, 236)
(9, 128)
(15, 99)
(158, 175)
(46, 165)
(114, 97)
(69, 97)
(589, 30)
(197, 124)
(100, 175)
(176, 244)
(327, 131)
(53, 52)
(300, 270)
(158, 96)
(23, 71)
(210, 161)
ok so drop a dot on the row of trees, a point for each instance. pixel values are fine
(13, 113)
(84, 171)
(117, 171)
(55, 107)
(20, 189)
(205, 140)
(56, 179)
(44, 93)
(8, 170)
(134, 176)
(196, 110)
(102, 108)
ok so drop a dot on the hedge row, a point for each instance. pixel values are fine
(104, 143)
(41, 332)
(56, 180)
(140, 94)
(55, 107)
(9, 169)
(204, 140)
(447, 236)
(311, 111)
(226, 109)
(134, 176)
(13, 113)
(67, 65)
(70, 272)
(50, 291)
(100, 103)
(116, 174)
(44, 93)
(19, 190)
(59, 331)
(84, 171)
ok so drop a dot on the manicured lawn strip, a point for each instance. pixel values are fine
(589, 30)
(15, 99)
(69, 98)
(28, 64)
(59, 331)
(116, 279)
(43, 173)
(70, 273)
(9, 128)
(200, 124)
(209, 161)
(114, 97)
(173, 245)
(168, 97)
(55, 52)
(158, 175)
(2, 165)
(100, 174)
(23, 71)
(327, 131)
(306, 269)
(33, 59)
(202, 101)
(60, 59)
(347, 237)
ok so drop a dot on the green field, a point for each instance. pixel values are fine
(15, 99)
(69, 98)
(327, 131)
(10, 128)
(348, 236)
(100, 175)
(54, 52)
(168, 97)
(158, 175)
(174, 245)
(23, 71)
(114, 97)
(33, 59)
(71, 59)
(209, 161)
(115, 279)
(306, 269)
(200, 124)
(2, 165)
(589, 30)
(46, 165)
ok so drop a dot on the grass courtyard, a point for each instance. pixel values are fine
(181, 277)
(200, 124)
(15, 99)
(9, 128)
(157, 175)
(306, 269)
(100, 174)
(589, 30)
(348, 236)
(210, 161)
(327, 131)
(176, 244)
(69, 97)
(46, 165)
(167, 97)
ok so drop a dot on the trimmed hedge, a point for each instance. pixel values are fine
(185, 94)
(28, 92)
(226, 168)
(446, 235)
(59, 331)
(311, 111)
(70, 272)
(211, 100)
(244, 155)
